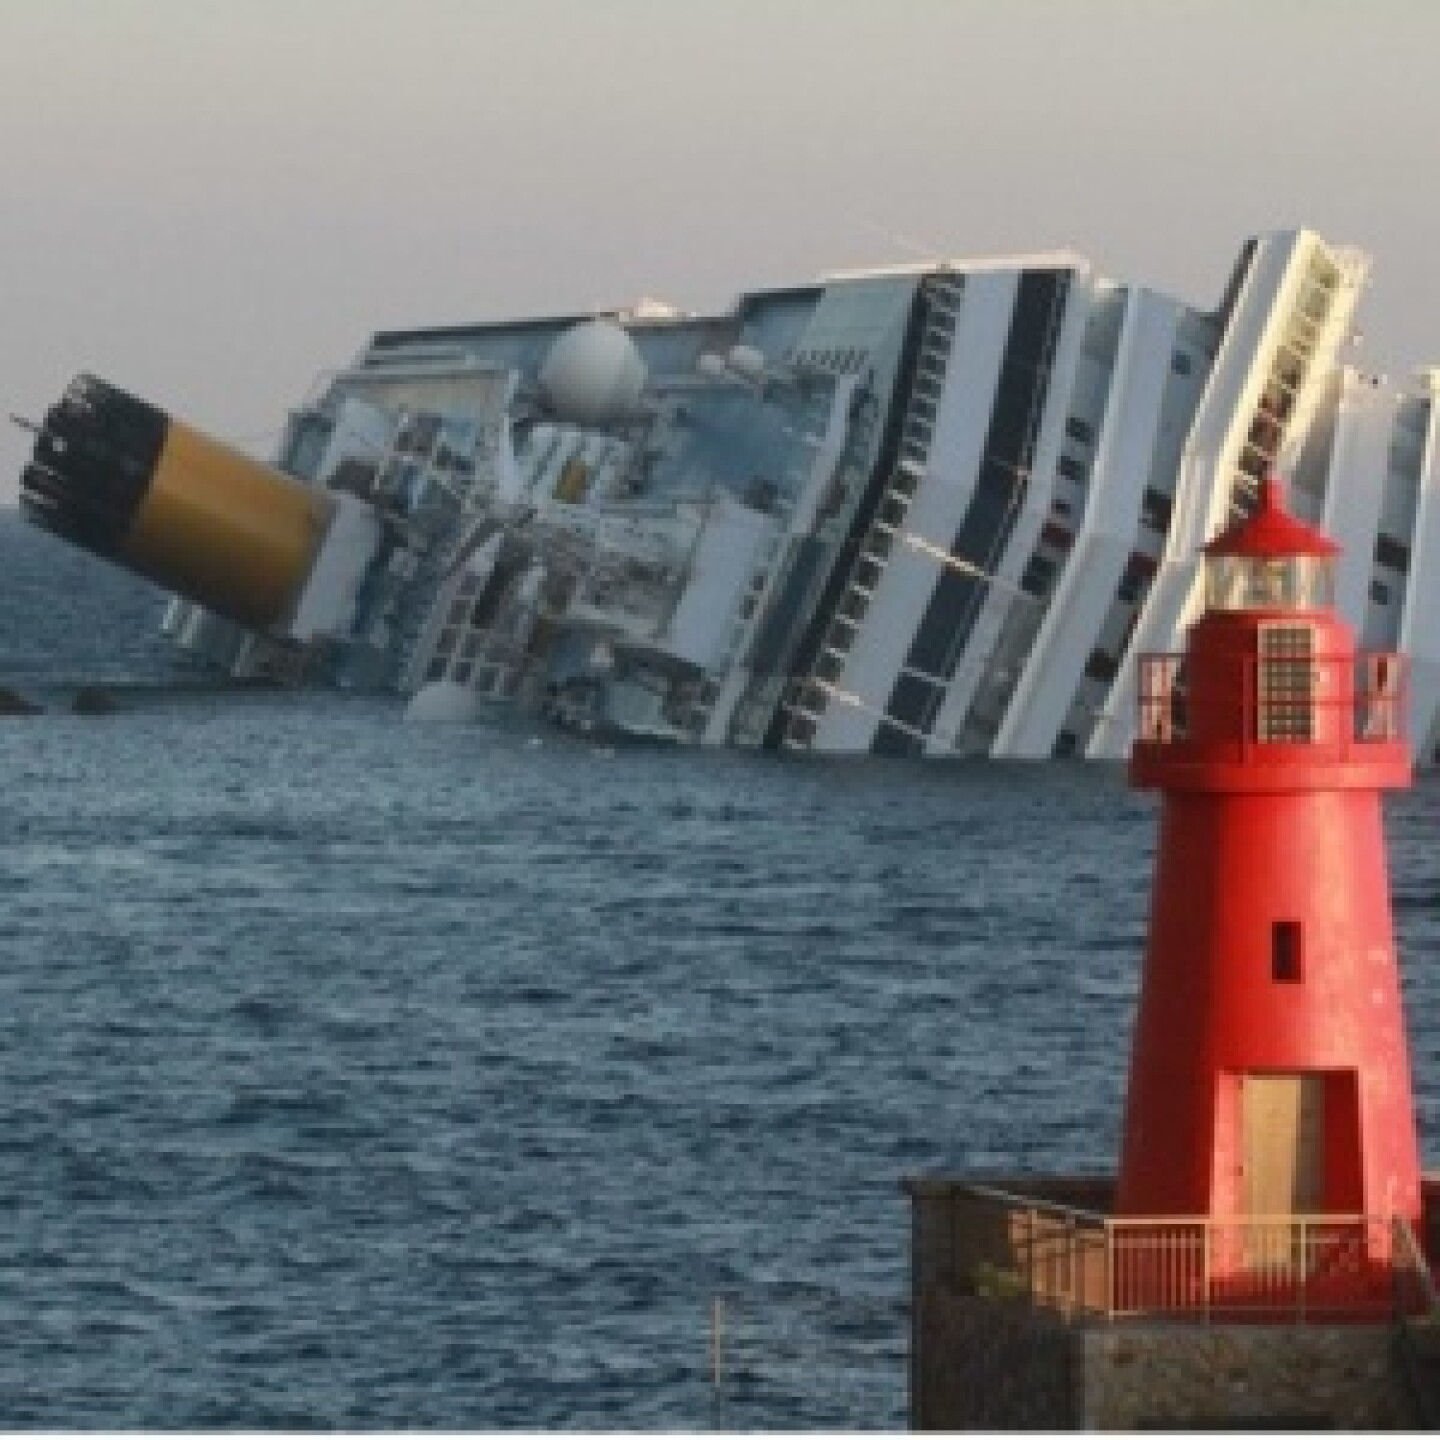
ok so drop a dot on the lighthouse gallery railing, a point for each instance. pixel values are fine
(1324, 703)
(1306, 1269)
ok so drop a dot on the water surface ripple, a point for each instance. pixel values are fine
(358, 1075)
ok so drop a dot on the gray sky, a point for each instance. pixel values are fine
(209, 202)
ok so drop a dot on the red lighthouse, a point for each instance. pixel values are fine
(1270, 1075)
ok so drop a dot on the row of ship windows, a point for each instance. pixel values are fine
(927, 393)
(1103, 665)
(870, 563)
(484, 676)
(1039, 575)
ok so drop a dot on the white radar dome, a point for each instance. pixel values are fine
(593, 374)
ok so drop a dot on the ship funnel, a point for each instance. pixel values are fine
(119, 477)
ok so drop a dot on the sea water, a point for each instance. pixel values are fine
(358, 1074)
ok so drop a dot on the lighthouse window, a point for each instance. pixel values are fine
(1285, 958)
(1294, 582)
(1286, 699)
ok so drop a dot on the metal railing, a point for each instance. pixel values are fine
(1291, 1269)
(1324, 703)
(1415, 1292)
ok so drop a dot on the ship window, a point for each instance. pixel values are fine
(1315, 304)
(879, 544)
(1289, 369)
(461, 673)
(1286, 966)
(892, 510)
(1277, 401)
(1181, 363)
(1071, 469)
(1155, 508)
(1265, 431)
(1379, 592)
(1081, 430)
(1101, 666)
(1039, 574)
(1391, 552)
(436, 668)
(867, 573)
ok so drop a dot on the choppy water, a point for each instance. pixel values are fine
(359, 1075)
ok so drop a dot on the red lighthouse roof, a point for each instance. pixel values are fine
(1272, 531)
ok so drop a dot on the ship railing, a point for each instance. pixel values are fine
(1329, 703)
(1089, 1267)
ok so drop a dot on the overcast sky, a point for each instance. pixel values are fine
(209, 202)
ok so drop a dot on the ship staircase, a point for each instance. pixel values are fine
(810, 693)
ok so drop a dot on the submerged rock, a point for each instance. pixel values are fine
(89, 700)
(13, 704)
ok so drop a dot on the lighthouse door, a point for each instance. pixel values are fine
(1283, 1120)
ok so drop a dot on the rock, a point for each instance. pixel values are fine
(92, 701)
(13, 704)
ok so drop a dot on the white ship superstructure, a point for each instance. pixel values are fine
(930, 510)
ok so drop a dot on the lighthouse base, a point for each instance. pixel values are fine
(1017, 1322)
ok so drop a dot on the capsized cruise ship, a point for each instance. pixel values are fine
(935, 509)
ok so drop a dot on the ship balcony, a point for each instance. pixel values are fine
(1302, 709)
